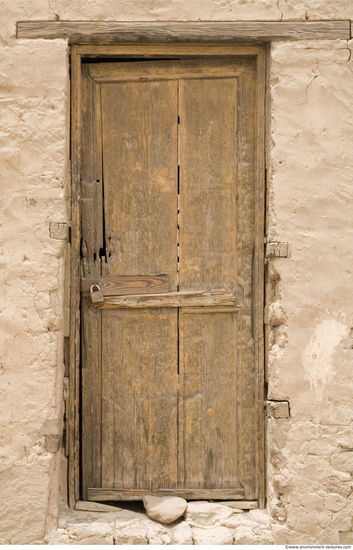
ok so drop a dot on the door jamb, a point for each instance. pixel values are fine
(160, 50)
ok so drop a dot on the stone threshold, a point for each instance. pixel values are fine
(203, 523)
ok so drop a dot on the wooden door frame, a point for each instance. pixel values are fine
(152, 51)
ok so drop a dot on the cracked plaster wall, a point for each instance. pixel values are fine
(310, 206)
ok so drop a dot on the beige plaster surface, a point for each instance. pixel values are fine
(310, 155)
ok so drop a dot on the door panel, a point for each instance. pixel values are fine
(140, 178)
(139, 348)
(169, 393)
(208, 183)
(208, 397)
(139, 408)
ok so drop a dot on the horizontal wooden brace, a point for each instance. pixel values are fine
(164, 70)
(111, 32)
(188, 494)
(202, 298)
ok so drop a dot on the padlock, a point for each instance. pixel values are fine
(96, 295)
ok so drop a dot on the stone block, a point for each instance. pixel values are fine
(217, 535)
(181, 534)
(342, 461)
(258, 535)
(157, 535)
(277, 409)
(260, 516)
(346, 537)
(311, 501)
(175, 533)
(96, 532)
(277, 250)
(59, 231)
(283, 535)
(206, 514)
(52, 443)
(276, 315)
(134, 533)
(343, 520)
(335, 503)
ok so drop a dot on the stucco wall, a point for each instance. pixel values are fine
(310, 195)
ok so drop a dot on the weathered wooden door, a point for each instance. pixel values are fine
(169, 380)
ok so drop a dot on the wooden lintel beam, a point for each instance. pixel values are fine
(111, 32)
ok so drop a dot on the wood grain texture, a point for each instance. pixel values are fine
(139, 347)
(135, 284)
(91, 265)
(206, 298)
(72, 410)
(208, 398)
(242, 504)
(211, 309)
(189, 494)
(91, 352)
(86, 506)
(259, 276)
(166, 51)
(165, 70)
(247, 223)
(82, 32)
(139, 412)
(208, 183)
(200, 437)
(208, 257)
(140, 178)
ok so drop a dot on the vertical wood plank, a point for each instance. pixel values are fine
(139, 419)
(208, 183)
(259, 266)
(208, 259)
(208, 401)
(140, 178)
(91, 244)
(73, 403)
(139, 354)
(247, 406)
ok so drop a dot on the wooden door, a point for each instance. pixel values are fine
(169, 380)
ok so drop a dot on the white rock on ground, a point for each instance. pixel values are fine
(164, 509)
